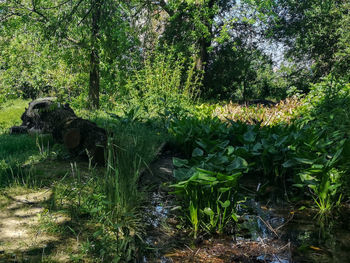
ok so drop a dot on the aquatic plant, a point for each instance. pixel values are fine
(210, 198)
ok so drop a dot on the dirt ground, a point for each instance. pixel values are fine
(22, 238)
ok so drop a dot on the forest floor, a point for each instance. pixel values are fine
(45, 218)
(21, 236)
(30, 231)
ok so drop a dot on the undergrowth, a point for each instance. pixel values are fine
(301, 146)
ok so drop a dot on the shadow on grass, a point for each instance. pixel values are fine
(69, 183)
(27, 234)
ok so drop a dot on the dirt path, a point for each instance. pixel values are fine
(21, 239)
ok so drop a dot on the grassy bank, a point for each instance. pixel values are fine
(103, 205)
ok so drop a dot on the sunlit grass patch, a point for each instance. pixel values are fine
(17, 154)
(11, 112)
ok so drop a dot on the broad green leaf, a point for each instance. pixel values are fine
(257, 147)
(289, 163)
(225, 204)
(179, 162)
(205, 171)
(306, 177)
(334, 158)
(249, 136)
(197, 152)
(304, 161)
(317, 166)
(224, 189)
(202, 144)
(238, 163)
(325, 190)
(208, 211)
(206, 177)
(230, 150)
(181, 174)
(234, 217)
(230, 178)
(223, 144)
(220, 160)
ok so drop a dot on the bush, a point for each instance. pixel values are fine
(162, 87)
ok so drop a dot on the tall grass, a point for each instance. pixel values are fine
(164, 86)
(112, 196)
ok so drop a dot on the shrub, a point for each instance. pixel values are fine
(163, 87)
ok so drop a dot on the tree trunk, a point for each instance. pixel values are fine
(81, 137)
(205, 42)
(94, 85)
(202, 57)
(245, 91)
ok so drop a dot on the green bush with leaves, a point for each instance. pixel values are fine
(163, 87)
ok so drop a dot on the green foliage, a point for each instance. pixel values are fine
(210, 198)
(310, 151)
(111, 197)
(161, 89)
(314, 31)
(251, 77)
(15, 150)
(187, 130)
(325, 117)
(207, 183)
(34, 66)
(327, 105)
(120, 236)
(46, 47)
(10, 113)
(302, 142)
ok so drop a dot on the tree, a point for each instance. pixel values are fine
(80, 24)
(314, 31)
(190, 26)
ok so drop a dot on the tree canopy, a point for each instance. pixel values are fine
(91, 48)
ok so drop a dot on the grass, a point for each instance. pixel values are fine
(103, 205)
(10, 113)
(14, 148)
(17, 152)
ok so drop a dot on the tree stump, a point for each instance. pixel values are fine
(80, 136)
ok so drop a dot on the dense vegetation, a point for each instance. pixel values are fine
(181, 73)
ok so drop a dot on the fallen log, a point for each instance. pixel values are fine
(81, 137)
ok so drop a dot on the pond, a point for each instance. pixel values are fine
(267, 232)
